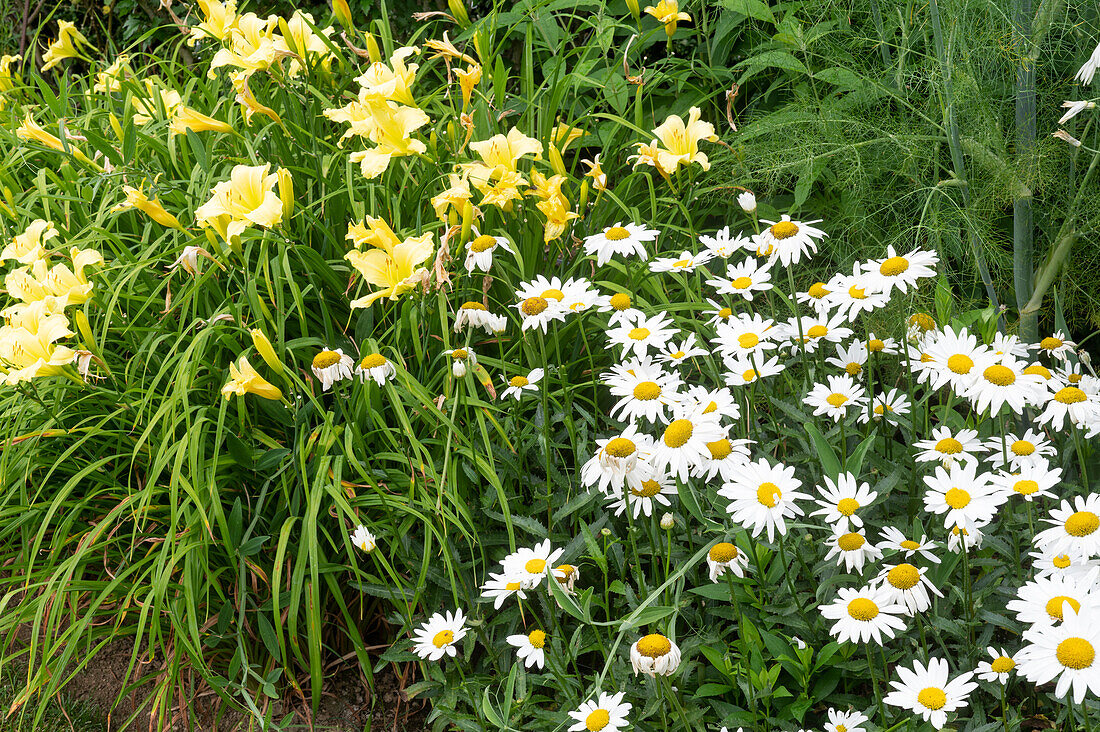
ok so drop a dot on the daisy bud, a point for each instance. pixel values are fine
(267, 352)
(605, 532)
(668, 521)
(747, 202)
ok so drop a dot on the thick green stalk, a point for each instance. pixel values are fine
(1022, 222)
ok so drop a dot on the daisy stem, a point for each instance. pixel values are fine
(923, 640)
(843, 442)
(667, 682)
(545, 393)
(1081, 457)
(1004, 441)
(874, 685)
(790, 582)
(969, 610)
(1004, 708)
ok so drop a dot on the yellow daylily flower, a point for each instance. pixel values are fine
(599, 177)
(251, 45)
(28, 246)
(136, 198)
(247, 100)
(502, 152)
(681, 144)
(243, 379)
(27, 345)
(394, 265)
(71, 286)
(502, 192)
(110, 79)
(186, 118)
(308, 46)
(458, 195)
(393, 82)
(146, 110)
(668, 13)
(7, 78)
(266, 350)
(391, 126)
(563, 135)
(68, 38)
(467, 80)
(26, 285)
(31, 130)
(446, 49)
(555, 206)
(342, 11)
(220, 20)
(373, 232)
(247, 198)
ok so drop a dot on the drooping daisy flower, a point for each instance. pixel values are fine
(863, 615)
(1075, 528)
(500, 587)
(743, 371)
(998, 668)
(620, 240)
(376, 367)
(1009, 345)
(1030, 482)
(1067, 652)
(363, 539)
(965, 539)
(439, 636)
(899, 271)
(906, 584)
(788, 241)
(919, 327)
(1022, 451)
(962, 496)
(684, 442)
(530, 564)
(331, 366)
(518, 385)
(1043, 601)
(929, 691)
(567, 576)
(1056, 346)
(851, 358)
(654, 655)
(644, 389)
(947, 448)
(849, 721)
(685, 262)
(676, 353)
(718, 313)
(604, 714)
(462, 359)
(473, 315)
(723, 244)
(725, 557)
(762, 496)
(652, 487)
(889, 407)
(894, 539)
(1005, 383)
(835, 397)
(851, 549)
(530, 648)
(744, 279)
(854, 294)
(617, 459)
(480, 250)
(639, 336)
(840, 500)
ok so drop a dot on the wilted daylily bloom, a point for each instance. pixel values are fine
(186, 119)
(136, 198)
(247, 198)
(467, 80)
(68, 38)
(243, 379)
(247, 100)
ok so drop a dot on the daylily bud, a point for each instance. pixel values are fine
(582, 199)
(266, 351)
(632, 5)
(458, 10)
(372, 49)
(84, 327)
(343, 14)
(286, 192)
(556, 161)
(467, 219)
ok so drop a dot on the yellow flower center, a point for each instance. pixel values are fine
(616, 233)
(957, 498)
(742, 283)
(836, 399)
(1074, 378)
(847, 506)
(851, 541)
(620, 301)
(768, 494)
(725, 313)
(857, 293)
(932, 697)
(1070, 395)
(537, 638)
(1050, 343)
(471, 305)
(654, 645)
(749, 375)
(678, 433)
(638, 334)
(512, 586)
(649, 489)
(1025, 487)
(535, 566)
(960, 363)
(999, 375)
(926, 358)
(903, 576)
(1075, 653)
(681, 263)
(1002, 665)
(748, 340)
(1054, 606)
(1082, 523)
(647, 390)
(459, 354)
(875, 345)
(893, 266)
(881, 409)
(597, 720)
(841, 728)
(1061, 561)
(784, 229)
(483, 243)
(910, 545)
(722, 552)
(818, 290)
(853, 368)
(1023, 448)
(324, 359)
(553, 294)
(863, 609)
(1037, 369)
(518, 381)
(677, 355)
(816, 331)
(923, 321)
(712, 407)
(720, 449)
(566, 569)
(534, 306)
(620, 447)
(443, 638)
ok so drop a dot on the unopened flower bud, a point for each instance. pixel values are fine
(605, 532)
(668, 521)
(747, 202)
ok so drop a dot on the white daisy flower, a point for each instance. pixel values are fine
(894, 539)
(1005, 383)
(474, 315)
(906, 584)
(1072, 403)
(654, 655)
(530, 564)
(567, 576)
(962, 496)
(965, 539)
(949, 448)
(1066, 652)
(684, 442)
(900, 271)
(998, 668)
(929, 692)
(439, 636)
(605, 714)
(1009, 345)
(723, 244)
(854, 294)
(788, 241)
(960, 357)
(886, 346)
(1025, 450)
(376, 367)
(725, 557)
(719, 402)
(686, 262)
(518, 385)
(840, 500)
(620, 460)
(538, 312)
(331, 366)
(726, 456)
(1053, 564)
(744, 371)
(850, 721)
(652, 487)
(1043, 600)
(747, 201)
(530, 648)
(744, 279)
(363, 539)
(762, 496)
(835, 397)
(621, 308)
(863, 615)
(888, 407)
(480, 250)
(620, 240)
(851, 549)
(808, 333)
(850, 359)
(817, 297)
(718, 313)
(500, 587)
(462, 359)
(644, 389)
(1031, 481)
(1075, 528)
(677, 353)
(1057, 346)
(639, 336)
(743, 336)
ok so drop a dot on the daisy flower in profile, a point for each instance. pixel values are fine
(950, 448)
(376, 367)
(644, 389)
(835, 397)
(606, 713)
(788, 241)
(640, 335)
(851, 549)
(1030, 482)
(1074, 528)
(854, 294)
(641, 495)
(567, 576)
(1021, 451)
(685, 262)
(816, 297)
(538, 312)
(743, 335)
(620, 240)
(462, 359)
(919, 326)
(808, 333)
(762, 496)
(901, 271)
(1038, 369)
(617, 459)
(621, 308)
(907, 585)
(517, 385)
(719, 402)
(530, 647)
(1067, 652)
(1051, 564)
(895, 540)
(1005, 383)
(654, 655)
(500, 587)
(363, 539)
(863, 615)
(1072, 403)
(1056, 346)
(929, 691)
(845, 721)
(850, 359)
(881, 345)
(962, 496)
(438, 637)
(677, 353)
(965, 539)
(474, 315)
(725, 557)
(683, 445)
(998, 668)
(1043, 601)
(726, 456)
(888, 407)
(331, 366)
(722, 244)
(744, 371)
(744, 279)
(840, 500)
(530, 564)
(1009, 345)
(718, 313)
(480, 250)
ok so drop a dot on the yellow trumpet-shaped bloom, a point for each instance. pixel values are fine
(308, 48)
(110, 79)
(220, 19)
(31, 130)
(7, 78)
(502, 152)
(555, 206)
(391, 127)
(458, 195)
(28, 246)
(186, 118)
(71, 286)
(247, 100)
(266, 350)
(446, 49)
(27, 344)
(342, 11)
(393, 82)
(146, 110)
(243, 379)
(599, 177)
(136, 198)
(247, 198)
(680, 142)
(393, 265)
(467, 80)
(251, 45)
(668, 13)
(68, 38)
